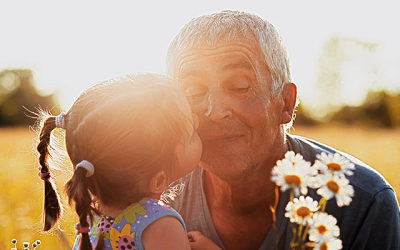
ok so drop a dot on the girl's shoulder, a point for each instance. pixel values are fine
(126, 229)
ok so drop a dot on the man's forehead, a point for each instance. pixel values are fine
(249, 43)
(231, 63)
(234, 55)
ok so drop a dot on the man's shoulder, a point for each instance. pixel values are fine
(373, 205)
(365, 177)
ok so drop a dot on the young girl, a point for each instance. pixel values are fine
(127, 138)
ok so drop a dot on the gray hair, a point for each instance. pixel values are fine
(208, 30)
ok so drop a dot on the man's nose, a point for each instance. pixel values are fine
(217, 106)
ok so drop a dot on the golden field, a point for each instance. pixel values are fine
(21, 195)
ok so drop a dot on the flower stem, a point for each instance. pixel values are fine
(273, 210)
(322, 203)
(299, 232)
(292, 245)
(305, 235)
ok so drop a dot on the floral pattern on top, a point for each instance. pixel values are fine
(130, 213)
(119, 233)
(124, 239)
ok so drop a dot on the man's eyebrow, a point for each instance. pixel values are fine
(192, 73)
(231, 66)
(237, 65)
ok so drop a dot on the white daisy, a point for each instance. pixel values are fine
(332, 244)
(336, 164)
(297, 176)
(300, 210)
(335, 186)
(323, 227)
(295, 159)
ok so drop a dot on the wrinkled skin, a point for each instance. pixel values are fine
(241, 126)
(230, 89)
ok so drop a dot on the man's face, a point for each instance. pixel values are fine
(230, 88)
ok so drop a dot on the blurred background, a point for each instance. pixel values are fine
(344, 55)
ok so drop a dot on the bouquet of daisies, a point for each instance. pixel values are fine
(308, 217)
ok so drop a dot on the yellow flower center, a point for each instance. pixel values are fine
(323, 246)
(334, 166)
(303, 212)
(333, 186)
(322, 229)
(293, 179)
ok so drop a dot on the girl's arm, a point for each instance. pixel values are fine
(165, 233)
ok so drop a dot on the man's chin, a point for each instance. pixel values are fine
(224, 151)
(223, 142)
(229, 166)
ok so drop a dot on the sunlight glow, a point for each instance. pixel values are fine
(71, 45)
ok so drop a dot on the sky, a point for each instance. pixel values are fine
(71, 45)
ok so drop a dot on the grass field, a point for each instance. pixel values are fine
(21, 195)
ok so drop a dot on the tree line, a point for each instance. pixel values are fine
(379, 110)
(19, 97)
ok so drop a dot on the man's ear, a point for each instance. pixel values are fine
(158, 183)
(289, 96)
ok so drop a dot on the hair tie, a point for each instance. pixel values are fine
(60, 120)
(44, 176)
(80, 230)
(86, 165)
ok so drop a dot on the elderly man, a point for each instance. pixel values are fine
(235, 72)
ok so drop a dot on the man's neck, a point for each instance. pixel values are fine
(240, 207)
(246, 192)
(241, 197)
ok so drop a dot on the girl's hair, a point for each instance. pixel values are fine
(128, 128)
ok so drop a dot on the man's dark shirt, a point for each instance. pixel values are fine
(371, 221)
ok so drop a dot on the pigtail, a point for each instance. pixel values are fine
(52, 207)
(78, 193)
(100, 242)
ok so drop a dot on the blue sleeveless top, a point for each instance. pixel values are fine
(125, 231)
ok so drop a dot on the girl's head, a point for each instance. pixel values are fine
(138, 133)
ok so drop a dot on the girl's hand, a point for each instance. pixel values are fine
(198, 241)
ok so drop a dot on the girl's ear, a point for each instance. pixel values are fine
(158, 183)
